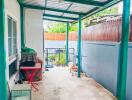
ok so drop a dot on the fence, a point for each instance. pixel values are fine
(61, 36)
(101, 46)
(57, 56)
(106, 31)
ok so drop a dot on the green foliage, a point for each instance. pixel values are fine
(52, 57)
(73, 27)
(57, 28)
(55, 58)
(61, 28)
(105, 12)
(62, 60)
(109, 11)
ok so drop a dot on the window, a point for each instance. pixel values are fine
(12, 45)
(12, 37)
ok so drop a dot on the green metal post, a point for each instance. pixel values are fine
(47, 57)
(22, 26)
(59, 55)
(79, 44)
(123, 56)
(3, 81)
(67, 46)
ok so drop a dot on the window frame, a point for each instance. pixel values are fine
(12, 53)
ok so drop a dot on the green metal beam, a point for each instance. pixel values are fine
(22, 26)
(50, 9)
(47, 57)
(67, 8)
(87, 2)
(59, 56)
(98, 9)
(123, 55)
(45, 5)
(61, 17)
(3, 81)
(67, 46)
(79, 44)
(56, 20)
(20, 1)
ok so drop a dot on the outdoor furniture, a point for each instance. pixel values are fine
(28, 59)
(38, 63)
(21, 92)
(73, 68)
(31, 73)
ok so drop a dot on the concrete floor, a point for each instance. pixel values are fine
(59, 84)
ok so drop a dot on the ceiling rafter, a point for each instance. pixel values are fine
(108, 4)
(87, 2)
(98, 6)
(98, 9)
(50, 9)
(45, 4)
(63, 17)
(68, 8)
(56, 20)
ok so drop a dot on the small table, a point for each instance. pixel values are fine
(30, 73)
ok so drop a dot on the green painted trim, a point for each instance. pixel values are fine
(67, 44)
(59, 57)
(68, 8)
(3, 81)
(50, 9)
(79, 44)
(61, 17)
(123, 54)
(22, 27)
(19, 1)
(47, 57)
(55, 20)
(87, 2)
(45, 5)
(98, 9)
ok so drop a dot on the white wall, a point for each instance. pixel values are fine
(34, 30)
(54, 44)
(12, 9)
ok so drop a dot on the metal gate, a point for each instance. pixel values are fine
(57, 56)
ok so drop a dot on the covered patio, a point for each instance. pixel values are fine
(59, 84)
(67, 11)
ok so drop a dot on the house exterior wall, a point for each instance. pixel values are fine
(12, 9)
(34, 30)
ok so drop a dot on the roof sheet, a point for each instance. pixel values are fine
(69, 8)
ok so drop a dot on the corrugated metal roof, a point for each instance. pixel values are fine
(68, 8)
